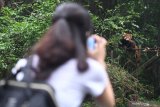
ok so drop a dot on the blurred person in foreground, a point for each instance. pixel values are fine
(61, 58)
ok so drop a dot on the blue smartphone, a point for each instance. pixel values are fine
(91, 43)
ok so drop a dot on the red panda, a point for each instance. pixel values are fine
(129, 45)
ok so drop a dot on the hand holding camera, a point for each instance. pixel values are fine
(97, 48)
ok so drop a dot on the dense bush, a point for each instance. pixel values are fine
(19, 29)
(127, 87)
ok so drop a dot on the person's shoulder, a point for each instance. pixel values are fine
(94, 64)
(95, 67)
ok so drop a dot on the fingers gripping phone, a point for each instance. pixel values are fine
(91, 43)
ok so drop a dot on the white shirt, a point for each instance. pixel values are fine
(70, 85)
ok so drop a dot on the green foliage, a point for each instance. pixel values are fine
(20, 28)
(89, 104)
(126, 87)
(133, 17)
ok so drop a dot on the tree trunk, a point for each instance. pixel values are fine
(1, 3)
(158, 39)
(156, 72)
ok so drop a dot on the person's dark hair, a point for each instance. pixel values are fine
(65, 39)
